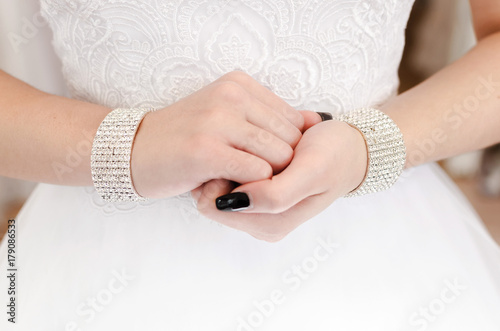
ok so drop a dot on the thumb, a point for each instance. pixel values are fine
(281, 192)
(311, 118)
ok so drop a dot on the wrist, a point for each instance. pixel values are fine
(385, 147)
(145, 155)
(111, 154)
(358, 162)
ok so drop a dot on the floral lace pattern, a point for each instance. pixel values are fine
(324, 55)
(320, 55)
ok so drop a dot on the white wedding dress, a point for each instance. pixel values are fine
(415, 257)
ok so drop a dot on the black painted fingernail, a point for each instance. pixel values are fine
(233, 202)
(325, 116)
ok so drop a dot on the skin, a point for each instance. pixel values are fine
(455, 111)
(232, 129)
(236, 130)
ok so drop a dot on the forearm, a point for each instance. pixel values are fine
(45, 138)
(455, 111)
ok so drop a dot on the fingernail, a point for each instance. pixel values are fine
(233, 202)
(325, 116)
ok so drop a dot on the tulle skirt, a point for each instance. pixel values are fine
(415, 257)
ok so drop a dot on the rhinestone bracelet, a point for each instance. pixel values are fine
(111, 155)
(385, 146)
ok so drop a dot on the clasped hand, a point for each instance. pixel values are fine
(289, 163)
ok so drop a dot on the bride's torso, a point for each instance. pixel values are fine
(370, 263)
(322, 55)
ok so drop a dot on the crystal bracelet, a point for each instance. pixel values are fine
(111, 155)
(385, 146)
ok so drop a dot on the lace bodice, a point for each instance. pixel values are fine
(320, 55)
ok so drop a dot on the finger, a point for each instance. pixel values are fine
(206, 206)
(311, 118)
(239, 166)
(261, 143)
(278, 194)
(266, 96)
(211, 189)
(268, 227)
(264, 117)
(196, 193)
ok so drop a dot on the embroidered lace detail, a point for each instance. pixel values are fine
(320, 55)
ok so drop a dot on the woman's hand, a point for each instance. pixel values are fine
(233, 129)
(330, 161)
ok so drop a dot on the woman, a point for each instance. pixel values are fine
(414, 257)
